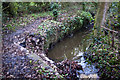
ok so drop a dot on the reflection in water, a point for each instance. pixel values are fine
(74, 48)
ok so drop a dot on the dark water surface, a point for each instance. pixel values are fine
(72, 47)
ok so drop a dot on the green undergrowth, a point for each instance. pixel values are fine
(15, 23)
(54, 30)
(106, 58)
(80, 20)
(46, 74)
(103, 52)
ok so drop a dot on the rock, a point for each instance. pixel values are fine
(83, 76)
(95, 76)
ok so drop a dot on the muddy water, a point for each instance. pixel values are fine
(73, 49)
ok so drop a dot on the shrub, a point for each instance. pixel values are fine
(75, 23)
(106, 58)
(86, 15)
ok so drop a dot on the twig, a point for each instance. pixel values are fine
(109, 29)
(113, 65)
(46, 19)
(5, 8)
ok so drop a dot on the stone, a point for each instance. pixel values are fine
(83, 76)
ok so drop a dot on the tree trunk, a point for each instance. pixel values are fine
(1, 51)
(100, 17)
(83, 6)
(119, 25)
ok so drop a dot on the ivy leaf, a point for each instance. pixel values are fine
(30, 61)
(40, 27)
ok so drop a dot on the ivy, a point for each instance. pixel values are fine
(105, 59)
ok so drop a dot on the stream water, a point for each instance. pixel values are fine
(73, 49)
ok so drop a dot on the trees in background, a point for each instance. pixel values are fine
(20, 8)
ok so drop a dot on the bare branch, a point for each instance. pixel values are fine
(109, 29)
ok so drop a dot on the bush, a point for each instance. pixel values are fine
(81, 20)
(74, 23)
(106, 58)
(86, 15)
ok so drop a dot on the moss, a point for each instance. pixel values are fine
(54, 31)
